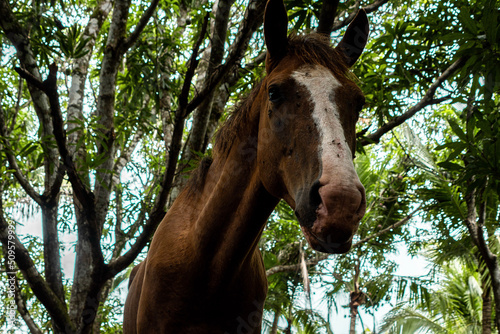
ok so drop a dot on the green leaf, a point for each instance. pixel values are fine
(468, 22)
(450, 166)
(457, 130)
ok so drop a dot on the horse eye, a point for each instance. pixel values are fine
(274, 94)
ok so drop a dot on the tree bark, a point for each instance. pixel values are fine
(274, 327)
(487, 310)
(51, 254)
(476, 231)
(356, 299)
(213, 57)
(327, 16)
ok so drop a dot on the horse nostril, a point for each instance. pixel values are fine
(362, 206)
(314, 196)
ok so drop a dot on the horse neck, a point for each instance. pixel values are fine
(229, 211)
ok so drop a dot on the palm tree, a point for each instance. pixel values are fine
(455, 306)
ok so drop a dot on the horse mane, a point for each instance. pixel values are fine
(313, 49)
(224, 137)
(316, 49)
(233, 126)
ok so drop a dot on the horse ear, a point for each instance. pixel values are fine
(275, 32)
(355, 37)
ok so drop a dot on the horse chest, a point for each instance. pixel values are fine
(182, 301)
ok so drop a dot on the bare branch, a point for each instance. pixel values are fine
(368, 9)
(427, 100)
(321, 257)
(387, 229)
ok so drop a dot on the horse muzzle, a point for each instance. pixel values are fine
(329, 215)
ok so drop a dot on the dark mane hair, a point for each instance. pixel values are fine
(235, 122)
(224, 137)
(317, 49)
(309, 49)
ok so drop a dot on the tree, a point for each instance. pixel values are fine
(454, 307)
(435, 57)
(105, 107)
(81, 140)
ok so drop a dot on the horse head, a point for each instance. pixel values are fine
(308, 111)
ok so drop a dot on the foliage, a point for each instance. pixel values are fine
(431, 80)
(454, 306)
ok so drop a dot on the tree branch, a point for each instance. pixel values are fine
(368, 9)
(18, 36)
(41, 289)
(212, 57)
(323, 256)
(158, 211)
(182, 111)
(253, 18)
(140, 26)
(113, 54)
(50, 89)
(427, 100)
(327, 16)
(352, 10)
(13, 163)
(21, 306)
(387, 229)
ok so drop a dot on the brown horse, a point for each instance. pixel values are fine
(293, 138)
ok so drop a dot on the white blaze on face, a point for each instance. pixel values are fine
(334, 151)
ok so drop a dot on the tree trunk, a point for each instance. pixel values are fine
(353, 315)
(274, 328)
(96, 327)
(475, 226)
(215, 55)
(487, 308)
(51, 254)
(356, 299)
(327, 16)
